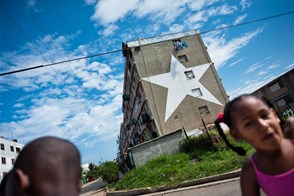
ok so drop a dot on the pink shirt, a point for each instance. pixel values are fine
(275, 185)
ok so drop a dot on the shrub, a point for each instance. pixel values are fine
(109, 171)
(202, 141)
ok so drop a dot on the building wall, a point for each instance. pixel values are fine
(167, 144)
(9, 154)
(155, 59)
(146, 58)
(280, 92)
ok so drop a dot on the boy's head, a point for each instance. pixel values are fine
(46, 166)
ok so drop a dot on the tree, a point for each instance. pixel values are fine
(109, 171)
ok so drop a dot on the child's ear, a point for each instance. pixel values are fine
(80, 185)
(23, 179)
(235, 134)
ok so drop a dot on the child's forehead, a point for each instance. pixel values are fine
(251, 101)
(247, 104)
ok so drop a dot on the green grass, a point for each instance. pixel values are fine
(173, 169)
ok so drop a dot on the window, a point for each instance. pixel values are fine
(3, 160)
(203, 110)
(276, 86)
(13, 161)
(176, 117)
(196, 92)
(281, 102)
(2, 147)
(189, 74)
(11, 148)
(183, 58)
(288, 99)
(285, 101)
(129, 67)
(17, 149)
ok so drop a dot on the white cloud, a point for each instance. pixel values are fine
(250, 86)
(90, 2)
(166, 11)
(221, 10)
(150, 30)
(109, 11)
(198, 17)
(200, 4)
(260, 73)
(67, 118)
(253, 67)
(176, 28)
(273, 66)
(289, 66)
(245, 4)
(109, 30)
(239, 19)
(236, 62)
(221, 50)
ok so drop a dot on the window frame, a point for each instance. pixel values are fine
(2, 146)
(203, 110)
(189, 74)
(3, 160)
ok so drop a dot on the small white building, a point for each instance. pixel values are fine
(8, 153)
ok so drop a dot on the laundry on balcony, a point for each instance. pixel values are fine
(179, 45)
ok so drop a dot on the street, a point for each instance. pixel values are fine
(94, 188)
(229, 187)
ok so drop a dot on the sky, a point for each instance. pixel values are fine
(82, 100)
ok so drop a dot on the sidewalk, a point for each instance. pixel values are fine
(95, 188)
(148, 190)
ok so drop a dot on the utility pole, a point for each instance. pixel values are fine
(206, 131)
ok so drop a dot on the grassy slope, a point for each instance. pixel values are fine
(177, 168)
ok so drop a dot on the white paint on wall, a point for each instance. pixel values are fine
(152, 40)
(8, 152)
(180, 83)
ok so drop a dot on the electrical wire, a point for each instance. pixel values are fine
(114, 51)
(37, 49)
(51, 40)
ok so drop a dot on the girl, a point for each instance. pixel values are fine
(271, 167)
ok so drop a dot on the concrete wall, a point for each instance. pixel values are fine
(8, 154)
(286, 91)
(167, 144)
(155, 59)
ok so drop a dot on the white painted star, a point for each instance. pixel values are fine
(179, 86)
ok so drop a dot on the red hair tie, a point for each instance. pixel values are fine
(220, 117)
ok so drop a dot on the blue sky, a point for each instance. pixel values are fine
(81, 100)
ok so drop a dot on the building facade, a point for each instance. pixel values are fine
(280, 92)
(170, 83)
(8, 153)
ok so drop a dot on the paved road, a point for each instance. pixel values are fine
(230, 187)
(95, 188)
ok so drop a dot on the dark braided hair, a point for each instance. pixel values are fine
(227, 119)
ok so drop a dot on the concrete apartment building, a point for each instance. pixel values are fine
(170, 84)
(280, 92)
(8, 153)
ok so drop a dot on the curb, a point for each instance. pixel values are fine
(148, 190)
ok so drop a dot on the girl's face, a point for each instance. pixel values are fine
(255, 122)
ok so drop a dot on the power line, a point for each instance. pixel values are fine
(38, 50)
(50, 38)
(249, 22)
(114, 51)
(60, 62)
